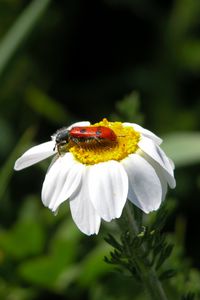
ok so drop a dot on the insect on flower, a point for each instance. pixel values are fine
(97, 167)
(84, 134)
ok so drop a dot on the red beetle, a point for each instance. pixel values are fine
(83, 134)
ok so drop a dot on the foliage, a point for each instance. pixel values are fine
(149, 246)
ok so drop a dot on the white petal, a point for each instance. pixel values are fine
(82, 123)
(171, 163)
(144, 185)
(160, 172)
(82, 210)
(34, 155)
(108, 186)
(61, 181)
(163, 181)
(145, 132)
(158, 155)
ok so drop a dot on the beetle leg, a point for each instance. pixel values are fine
(59, 146)
(97, 139)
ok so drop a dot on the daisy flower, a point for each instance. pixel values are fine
(98, 176)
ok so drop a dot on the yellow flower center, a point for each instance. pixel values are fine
(96, 151)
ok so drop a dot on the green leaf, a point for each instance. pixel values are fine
(183, 148)
(15, 291)
(93, 265)
(110, 239)
(46, 106)
(26, 238)
(128, 109)
(49, 270)
(42, 271)
(65, 242)
(164, 254)
(21, 30)
(167, 274)
(189, 54)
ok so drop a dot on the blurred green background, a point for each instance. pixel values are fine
(64, 61)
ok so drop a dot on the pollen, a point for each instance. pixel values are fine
(95, 151)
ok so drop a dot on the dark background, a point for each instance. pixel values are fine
(128, 60)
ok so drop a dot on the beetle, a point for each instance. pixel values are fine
(84, 134)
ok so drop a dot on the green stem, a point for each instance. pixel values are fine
(21, 30)
(148, 275)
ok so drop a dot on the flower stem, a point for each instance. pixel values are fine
(147, 274)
